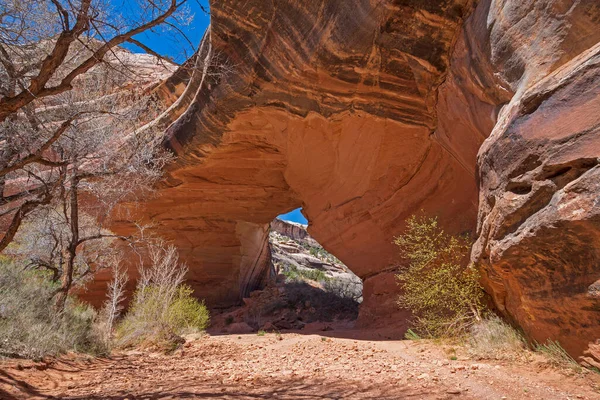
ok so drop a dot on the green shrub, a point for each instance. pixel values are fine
(187, 314)
(162, 308)
(295, 274)
(151, 321)
(438, 285)
(29, 326)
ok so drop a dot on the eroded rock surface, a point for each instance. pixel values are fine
(539, 210)
(330, 105)
(365, 112)
(539, 219)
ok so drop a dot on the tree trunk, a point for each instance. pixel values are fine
(67, 276)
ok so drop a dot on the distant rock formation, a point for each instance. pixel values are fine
(292, 247)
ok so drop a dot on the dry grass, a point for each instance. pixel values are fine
(492, 338)
(29, 326)
(558, 357)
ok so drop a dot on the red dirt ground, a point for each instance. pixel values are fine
(291, 366)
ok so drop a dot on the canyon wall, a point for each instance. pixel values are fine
(364, 112)
(328, 105)
(539, 200)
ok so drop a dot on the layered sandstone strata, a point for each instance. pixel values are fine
(365, 112)
(328, 105)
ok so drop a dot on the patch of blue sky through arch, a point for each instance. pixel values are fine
(294, 216)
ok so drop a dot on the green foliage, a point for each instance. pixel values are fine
(411, 335)
(186, 313)
(261, 333)
(29, 326)
(438, 285)
(321, 254)
(294, 274)
(151, 321)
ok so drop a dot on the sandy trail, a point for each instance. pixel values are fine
(290, 366)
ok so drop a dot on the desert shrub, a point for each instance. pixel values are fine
(294, 274)
(186, 313)
(345, 289)
(492, 338)
(438, 285)
(323, 305)
(29, 325)
(162, 308)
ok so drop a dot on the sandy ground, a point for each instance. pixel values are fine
(291, 366)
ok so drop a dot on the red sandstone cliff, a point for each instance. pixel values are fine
(365, 112)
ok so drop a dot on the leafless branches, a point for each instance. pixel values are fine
(82, 22)
(115, 296)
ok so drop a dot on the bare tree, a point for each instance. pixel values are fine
(96, 167)
(71, 148)
(115, 296)
(47, 49)
(85, 22)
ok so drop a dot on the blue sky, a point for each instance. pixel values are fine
(167, 42)
(294, 216)
(179, 47)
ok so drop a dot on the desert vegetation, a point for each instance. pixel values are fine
(162, 308)
(78, 137)
(438, 285)
(441, 289)
(30, 328)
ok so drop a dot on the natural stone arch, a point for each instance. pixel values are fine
(364, 114)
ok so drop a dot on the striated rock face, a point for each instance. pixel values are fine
(329, 105)
(539, 209)
(292, 230)
(365, 112)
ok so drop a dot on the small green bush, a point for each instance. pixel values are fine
(162, 308)
(438, 285)
(187, 314)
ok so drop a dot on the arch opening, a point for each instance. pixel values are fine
(307, 287)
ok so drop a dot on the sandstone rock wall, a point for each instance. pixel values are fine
(539, 209)
(365, 112)
(526, 74)
(330, 106)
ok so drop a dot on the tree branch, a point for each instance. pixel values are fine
(37, 87)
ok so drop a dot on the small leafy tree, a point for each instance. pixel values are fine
(438, 284)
